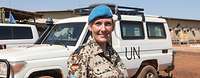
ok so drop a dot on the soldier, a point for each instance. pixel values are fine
(97, 58)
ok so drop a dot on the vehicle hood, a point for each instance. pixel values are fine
(34, 52)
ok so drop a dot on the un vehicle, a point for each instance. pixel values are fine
(143, 43)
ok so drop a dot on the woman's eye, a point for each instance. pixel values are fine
(98, 23)
(108, 24)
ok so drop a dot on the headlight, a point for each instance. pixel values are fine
(3, 69)
(17, 66)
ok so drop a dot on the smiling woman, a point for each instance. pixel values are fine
(101, 30)
(98, 52)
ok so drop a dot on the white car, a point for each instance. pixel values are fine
(143, 43)
(17, 34)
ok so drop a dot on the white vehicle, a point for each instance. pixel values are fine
(16, 34)
(143, 43)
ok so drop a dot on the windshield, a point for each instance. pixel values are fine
(65, 34)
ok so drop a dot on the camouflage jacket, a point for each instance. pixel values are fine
(90, 61)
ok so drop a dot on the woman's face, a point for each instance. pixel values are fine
(101, 29)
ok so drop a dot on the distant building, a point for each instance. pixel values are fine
(19, 15)
(173, 22)
(56, 15)
(184, 31)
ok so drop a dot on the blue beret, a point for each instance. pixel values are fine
(101, 11)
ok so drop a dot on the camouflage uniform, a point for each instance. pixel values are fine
(90, 61)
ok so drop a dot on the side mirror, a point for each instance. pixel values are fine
(115, 17)
(49, 22)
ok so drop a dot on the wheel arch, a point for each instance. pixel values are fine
(51, 72)
(30, 70)
(152, 62)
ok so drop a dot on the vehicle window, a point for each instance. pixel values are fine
(15, 33)
(22, 33)
(131, 30)
(5, 32)
(155, 30)
(65, 34)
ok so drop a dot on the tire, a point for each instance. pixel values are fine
(148, 72)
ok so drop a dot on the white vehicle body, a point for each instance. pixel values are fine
(136, 52)
(16, 34)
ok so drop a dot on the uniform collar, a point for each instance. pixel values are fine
(96, 47)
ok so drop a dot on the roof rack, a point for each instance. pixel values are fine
(121, 10)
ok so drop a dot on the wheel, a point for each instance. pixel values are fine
(148, 72)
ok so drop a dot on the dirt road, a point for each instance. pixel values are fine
(187, 65)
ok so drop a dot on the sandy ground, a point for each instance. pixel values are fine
(187, 62)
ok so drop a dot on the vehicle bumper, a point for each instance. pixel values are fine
(169, 66)
(172, 66)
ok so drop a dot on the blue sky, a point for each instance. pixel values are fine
(187, 9)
